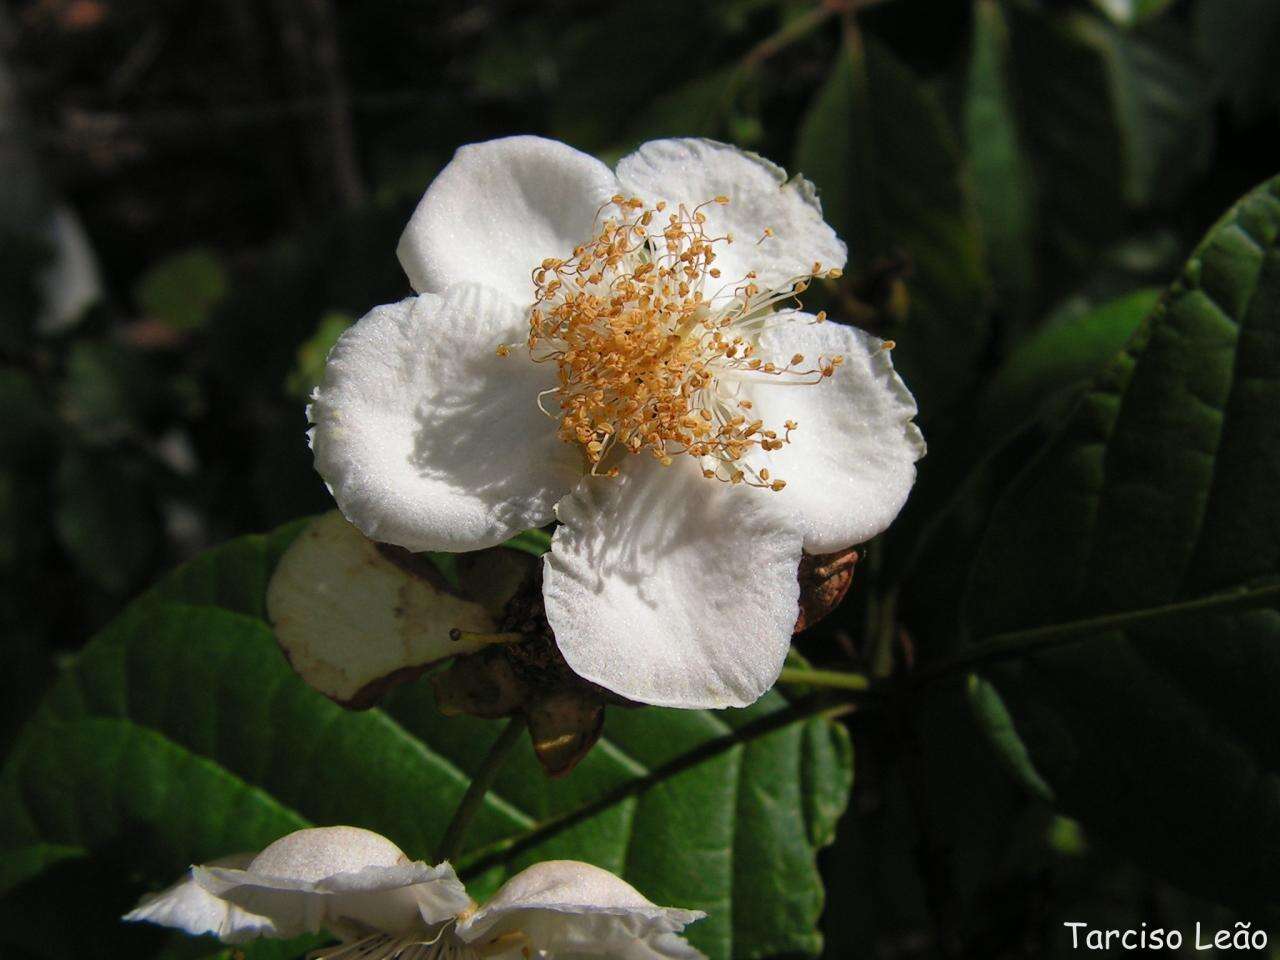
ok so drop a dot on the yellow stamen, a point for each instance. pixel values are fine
(651, 352)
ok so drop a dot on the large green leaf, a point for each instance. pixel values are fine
(1057, 362)
(887, 163)
(1161, 487)
(181, 734)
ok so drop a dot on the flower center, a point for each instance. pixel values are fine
(653, 349)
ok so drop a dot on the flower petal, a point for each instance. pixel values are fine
(692, 172)
(426, 437)
(189, 907)
(566, 907)
(353, 624)
(498, 209)
(671, 589)
(314, 853)
(348, 881)
(851, 463)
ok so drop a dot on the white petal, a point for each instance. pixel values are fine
(318, 852)
(671, 589)
(498, 209)
(352, 623)
(189, 907)
(569, 908)
(430, 440)
(760, 195)
(341, 879)
(851, 463)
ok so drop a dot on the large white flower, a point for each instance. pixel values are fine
(624, 352)
(358, 886)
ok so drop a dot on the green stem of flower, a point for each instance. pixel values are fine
(481, 781)
(833, 679)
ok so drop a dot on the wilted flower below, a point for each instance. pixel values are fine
(358, 886)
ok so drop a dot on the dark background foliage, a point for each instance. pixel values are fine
(1017, 180)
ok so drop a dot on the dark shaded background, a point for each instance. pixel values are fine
(241, 172)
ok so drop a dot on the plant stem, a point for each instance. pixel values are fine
(834, 679)
(481, 781)
(1020, 643)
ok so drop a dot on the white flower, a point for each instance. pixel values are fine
(360, 887)
(623, 352)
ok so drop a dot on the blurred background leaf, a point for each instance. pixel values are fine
(888, 164)
(182, 290)
(1003, 187)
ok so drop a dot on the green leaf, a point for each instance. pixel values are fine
(180, 734)
(533, 542)
(1003, 186)
(993, 717)
(1129, 12)
(1117, 119)
(183, 290)
(1059, 360)
(878, 145)
(1158, 732)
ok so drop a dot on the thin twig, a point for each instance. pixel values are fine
(346, 171)
(1020, 643)
(481, 781)
(799, 28)
(504, 850)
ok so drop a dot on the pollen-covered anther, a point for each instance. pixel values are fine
(652, 349)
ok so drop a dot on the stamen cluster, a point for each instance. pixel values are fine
(648, 359)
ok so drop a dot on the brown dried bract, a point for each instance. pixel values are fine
(824, 580)
(529, 677)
